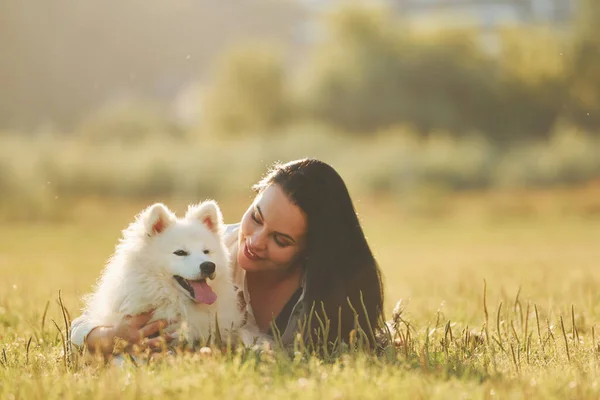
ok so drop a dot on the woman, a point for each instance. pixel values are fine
(301, 257)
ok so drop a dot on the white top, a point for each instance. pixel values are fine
(81, 326)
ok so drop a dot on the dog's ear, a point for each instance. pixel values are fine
(209, 213)
(157, 218)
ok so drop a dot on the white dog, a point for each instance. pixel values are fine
(178, 267)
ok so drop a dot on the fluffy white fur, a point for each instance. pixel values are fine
(139, 276)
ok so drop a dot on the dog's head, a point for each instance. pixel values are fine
(187, 252)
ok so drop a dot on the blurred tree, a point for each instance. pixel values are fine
(453, 85)
(248, 92)
(368, 75)
(584, 74)
(128, 122)
(61, 59)
(355, 76)
(533, 90)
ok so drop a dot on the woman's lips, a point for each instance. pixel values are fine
(249, 254)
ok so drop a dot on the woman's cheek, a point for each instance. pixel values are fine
(245, 227)
(282, 257)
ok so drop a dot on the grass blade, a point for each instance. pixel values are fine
(63, 343)
(518, 304)
(4, 358)
(44, 315)
(512, 350)
(339, 328)
(593, 338)
(371, 332)
(575, 331)
(27, 350)
(562, 325)
(537, 318)
(526, 323)
(528, 347)
(499, 341)
(512, 325)
(485, 313)
(65, 319)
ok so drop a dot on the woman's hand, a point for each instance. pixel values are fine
(130, 332)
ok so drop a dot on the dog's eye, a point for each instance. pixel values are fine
(206, 251)
(181, 253)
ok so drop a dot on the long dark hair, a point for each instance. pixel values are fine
(342, 275)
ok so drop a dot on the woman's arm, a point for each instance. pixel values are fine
(132, 330)
(80, 328)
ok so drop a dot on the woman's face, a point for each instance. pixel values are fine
(272, 232)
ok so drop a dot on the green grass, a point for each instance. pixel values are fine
(530, 261)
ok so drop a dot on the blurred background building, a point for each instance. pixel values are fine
(489, 13)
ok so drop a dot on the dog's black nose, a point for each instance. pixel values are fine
(207, 268)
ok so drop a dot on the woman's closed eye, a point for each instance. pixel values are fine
(281, 242)
(255, 218)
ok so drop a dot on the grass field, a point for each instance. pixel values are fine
(539, 258)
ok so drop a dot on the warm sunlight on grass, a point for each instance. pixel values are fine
(541, 271)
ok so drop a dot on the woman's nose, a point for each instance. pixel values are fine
(258, 240)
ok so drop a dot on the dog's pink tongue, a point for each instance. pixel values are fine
(202, 292)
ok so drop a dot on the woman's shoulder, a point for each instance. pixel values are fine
(230, 235)
(231, 228)
(231, 242)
